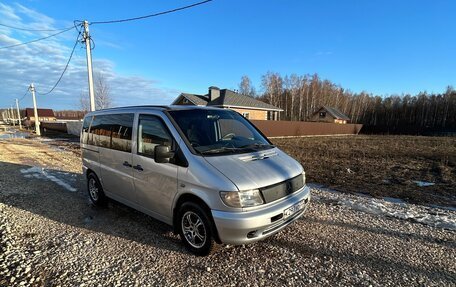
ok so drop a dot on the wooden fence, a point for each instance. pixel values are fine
(296, 129)
(269, 128)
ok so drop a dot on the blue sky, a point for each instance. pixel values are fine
(382, 47)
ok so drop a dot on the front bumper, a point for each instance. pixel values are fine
(250, 226)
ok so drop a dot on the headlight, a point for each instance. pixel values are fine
(304, 177)
(245, 198)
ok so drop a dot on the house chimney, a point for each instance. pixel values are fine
(214, 93)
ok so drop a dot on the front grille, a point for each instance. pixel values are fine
(276, 191)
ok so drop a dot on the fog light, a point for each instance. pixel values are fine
(251, 234)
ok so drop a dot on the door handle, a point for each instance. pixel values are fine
(126, 164)
(138, 167)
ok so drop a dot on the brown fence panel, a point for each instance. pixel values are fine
(293, 129)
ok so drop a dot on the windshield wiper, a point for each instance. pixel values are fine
(257, 145)
(220, 150)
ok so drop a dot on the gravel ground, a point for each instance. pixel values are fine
(50, 235)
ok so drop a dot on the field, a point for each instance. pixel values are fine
(380, 166)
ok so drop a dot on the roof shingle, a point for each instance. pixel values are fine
(336, 113)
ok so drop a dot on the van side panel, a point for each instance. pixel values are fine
(90, 159)
(117, 177)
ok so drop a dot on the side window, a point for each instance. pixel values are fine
(152, 132)
(93, 132)
(121, 126)
(104, 131)
(112, 131)
(85, 129)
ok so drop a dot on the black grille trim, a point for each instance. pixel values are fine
(279, 190)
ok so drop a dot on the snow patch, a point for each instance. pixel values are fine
(434, 216)
(423, 183)
(41, 173)
(393, 200)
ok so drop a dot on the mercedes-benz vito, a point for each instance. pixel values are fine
(208, 172)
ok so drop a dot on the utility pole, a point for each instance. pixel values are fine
(7, 115)
(86, 37)
(12, 116)
(37, 121)
(18, 114)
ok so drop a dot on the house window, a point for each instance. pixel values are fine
(246, 115)
(322, 114)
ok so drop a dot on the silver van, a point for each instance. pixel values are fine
(208, 172)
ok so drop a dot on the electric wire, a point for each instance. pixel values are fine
(32, 30)
(150, 15)
(76, 24)
(26, 92)
(39, 39)
(64, 70)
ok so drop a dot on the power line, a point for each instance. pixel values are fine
(36, 40)
(64, 70)
(32, 30)
(26, 92)
(151, 15)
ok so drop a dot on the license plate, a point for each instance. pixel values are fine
(293, 209)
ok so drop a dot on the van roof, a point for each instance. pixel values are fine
(152, 107)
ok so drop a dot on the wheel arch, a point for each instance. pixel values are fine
(188, 197)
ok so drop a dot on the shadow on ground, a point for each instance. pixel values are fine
(44, 196)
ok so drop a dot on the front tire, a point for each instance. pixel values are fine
(96, 194)
(195, 229)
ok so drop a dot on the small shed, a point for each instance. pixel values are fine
(329, 115)
(44, 115)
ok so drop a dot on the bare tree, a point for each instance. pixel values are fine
(103, 97)
(300, 95)
(84, 102)
(246, 88)
(272, 84)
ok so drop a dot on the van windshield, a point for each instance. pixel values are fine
(219, 131)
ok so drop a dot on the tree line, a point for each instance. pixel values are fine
(301, 95)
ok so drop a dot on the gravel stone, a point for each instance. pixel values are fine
(46, 239)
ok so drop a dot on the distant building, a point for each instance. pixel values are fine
(329, 115)
(249, 107)
(44, 115)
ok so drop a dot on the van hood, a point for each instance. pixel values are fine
(257, 169)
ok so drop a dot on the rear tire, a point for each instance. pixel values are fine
(195, 229)
(95, 190)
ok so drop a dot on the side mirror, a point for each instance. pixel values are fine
(162, 154)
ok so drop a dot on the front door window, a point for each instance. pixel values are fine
(151, 132)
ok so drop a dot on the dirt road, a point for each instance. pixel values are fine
(51, 235)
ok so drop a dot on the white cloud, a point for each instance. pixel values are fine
(7, 13)
(42, 63)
